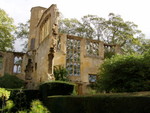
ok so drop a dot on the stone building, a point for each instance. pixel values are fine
(48, 48)
(11, 63)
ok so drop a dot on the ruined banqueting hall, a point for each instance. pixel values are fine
(48, 48)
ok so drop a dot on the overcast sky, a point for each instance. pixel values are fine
(136, 11)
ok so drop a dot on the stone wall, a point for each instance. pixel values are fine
(41, 58)
(47, 48)
(9, 63)
(89, 64)
(41, 40)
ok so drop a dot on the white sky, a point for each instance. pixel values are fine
(136, 11)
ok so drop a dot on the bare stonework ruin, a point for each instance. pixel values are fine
(48, 48)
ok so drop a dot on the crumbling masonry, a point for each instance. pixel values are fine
(47, 48)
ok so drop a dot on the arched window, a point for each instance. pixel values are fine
(17, 64)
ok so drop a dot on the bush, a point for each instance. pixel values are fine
(60, 73)
(128, 73)
(99, 104)
(147, 63)
(11, 81)
(56, 88)
(37, 107)
(23, 98)
(5, 104)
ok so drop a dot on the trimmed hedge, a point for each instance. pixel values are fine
(56, 88)
(99, 104)
(11, 81)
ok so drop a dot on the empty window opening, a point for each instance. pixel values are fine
(17, 64)
(92, 48)
(92, 78)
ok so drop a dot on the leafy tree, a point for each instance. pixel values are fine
(145, 46)
(22, 32)
(74, 27)
(123, 33)
(6, 29)
(113, 30)
(125, 74)
(97, 26)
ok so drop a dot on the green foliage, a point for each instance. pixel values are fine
(60, 73)
(4, 93)
(9, 106)
(113, 30)
(56, 88)
(11, 81)
(6, 29)
(19, 99)
(22, 33)
(147, 63)
(127, 73)
(145, 46)
(5, 104)
(23, 98)
(99, 104)
(25, 111)
(37, 107)
(109, 54)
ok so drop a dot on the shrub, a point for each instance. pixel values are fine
(37, 107)
(11, 81)
(60, 73)
(23, 98)
(147, 63)
(124, 74)
(56, 88)
(5, 104)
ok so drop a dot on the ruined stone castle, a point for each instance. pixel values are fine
(48, 48)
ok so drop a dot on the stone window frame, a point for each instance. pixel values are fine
(17, 67)
(45, 28)
(108, 48)
(59, 43)
(91, 79)
(73, 62)
(92, 46)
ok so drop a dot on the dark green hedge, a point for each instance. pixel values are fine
(1, 103)
(11, 81)
(56, 88)
(99, 104)
(23, 98)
